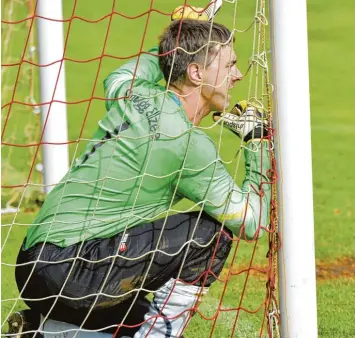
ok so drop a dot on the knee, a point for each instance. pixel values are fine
(210, 228)
(215, 257)
(222, 250)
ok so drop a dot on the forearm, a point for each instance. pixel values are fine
(256, 188)
(206, 181)
(248, 209)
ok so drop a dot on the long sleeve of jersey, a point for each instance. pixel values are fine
(206, 181)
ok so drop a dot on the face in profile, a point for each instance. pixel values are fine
(219, 77)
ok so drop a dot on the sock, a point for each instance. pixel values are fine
(56, 329)
(170, 310)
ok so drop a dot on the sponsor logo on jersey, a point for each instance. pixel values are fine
(144, 107)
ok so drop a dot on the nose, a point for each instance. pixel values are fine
(237, 75)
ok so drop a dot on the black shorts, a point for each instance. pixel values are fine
(89, 277)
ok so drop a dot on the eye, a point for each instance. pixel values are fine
(232, 64)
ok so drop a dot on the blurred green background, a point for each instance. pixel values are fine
(107, 38)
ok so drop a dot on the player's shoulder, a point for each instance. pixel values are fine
(162, 108)
(174, 121)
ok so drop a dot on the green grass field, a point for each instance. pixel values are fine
(332, 85)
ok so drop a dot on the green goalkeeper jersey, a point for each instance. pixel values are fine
(145, 157)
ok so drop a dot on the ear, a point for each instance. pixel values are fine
(194, 73)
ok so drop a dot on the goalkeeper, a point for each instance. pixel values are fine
(95, 249)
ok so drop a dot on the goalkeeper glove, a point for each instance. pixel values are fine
(197, 13)
(245, 120)
(189, 12)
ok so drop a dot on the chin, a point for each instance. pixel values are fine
(221, 105)
(225, 105)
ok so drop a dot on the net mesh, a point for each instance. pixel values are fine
(20, 111)
(242, 302)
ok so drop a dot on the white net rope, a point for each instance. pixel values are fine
(216, 310)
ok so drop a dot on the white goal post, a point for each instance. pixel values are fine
(297, 276)
(52, 89)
